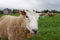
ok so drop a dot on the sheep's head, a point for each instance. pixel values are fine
(31, 21)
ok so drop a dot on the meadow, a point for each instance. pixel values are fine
(49, 28)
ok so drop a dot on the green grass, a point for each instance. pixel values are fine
(10, 14)
(49, 28)
(15, 14)
(1, 15)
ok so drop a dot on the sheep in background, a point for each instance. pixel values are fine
(51, 14)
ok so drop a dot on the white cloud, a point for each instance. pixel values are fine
(31, 4)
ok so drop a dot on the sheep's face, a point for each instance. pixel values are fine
(32, 22)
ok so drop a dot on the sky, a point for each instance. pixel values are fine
(31, 4)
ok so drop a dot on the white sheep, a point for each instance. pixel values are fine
(19, 28)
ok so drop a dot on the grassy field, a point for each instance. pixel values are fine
(49, 28)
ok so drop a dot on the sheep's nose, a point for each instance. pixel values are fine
(35, 31)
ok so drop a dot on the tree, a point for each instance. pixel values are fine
(45, 11)
(1, 11)
(54, 11)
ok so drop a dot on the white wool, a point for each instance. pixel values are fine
(33, 24)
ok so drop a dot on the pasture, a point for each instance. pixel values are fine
(49, 28)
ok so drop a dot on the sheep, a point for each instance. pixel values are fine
(51, 14)
(19, 28)
(43, 14)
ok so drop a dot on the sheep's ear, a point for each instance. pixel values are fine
(23, 12)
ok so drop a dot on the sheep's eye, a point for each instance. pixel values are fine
(26, 16)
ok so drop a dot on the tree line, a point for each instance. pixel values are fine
(44, 11)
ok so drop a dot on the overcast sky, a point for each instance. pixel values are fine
(31, 4)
